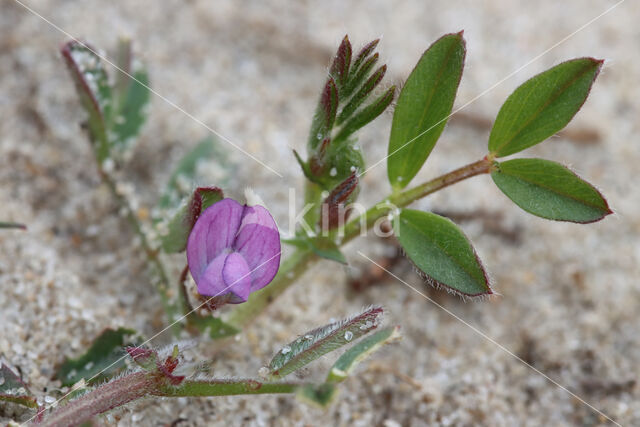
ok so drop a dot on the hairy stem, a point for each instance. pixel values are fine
(137, 385)
(172, 301)
(298, 263)
(104, 398)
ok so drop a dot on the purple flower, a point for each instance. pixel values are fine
(233, 250)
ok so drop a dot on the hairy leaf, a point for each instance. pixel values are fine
(366, 115)
(356, 354)
(92, 84)
(550, 190)
(423, 107)
(13, 389)
(440, 250)
(321, 341)
(542, 106)
(325, 115)
(102, 360)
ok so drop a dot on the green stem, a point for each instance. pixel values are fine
(137, 385)
(225, 388)
(312, 198)
(404, 198)
(172, 301)
(297, 264)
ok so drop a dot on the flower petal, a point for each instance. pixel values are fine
(258, 241)
(237, 277)
(210, 283)
(214, 231)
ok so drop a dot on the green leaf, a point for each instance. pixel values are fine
(321, 341)
(182, 179)
(324, 116)
(361, 95)
(439, 249)
(131, 113)
(13, 389)
(356, 354)
(423, 107)
(366, 115)
(92, 84)
(549, 190)
(542, 106)
(102, 360)
(360, 71)
(362, 56)
(341, 62)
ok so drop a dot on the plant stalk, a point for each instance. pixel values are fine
(225, 388)
(137, 385)
(115, 393)
(297, 264)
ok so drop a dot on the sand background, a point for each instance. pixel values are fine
(252, 71)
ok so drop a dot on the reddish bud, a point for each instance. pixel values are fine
(364, 53)
(317, 162)
(340, 68)
(333, 207)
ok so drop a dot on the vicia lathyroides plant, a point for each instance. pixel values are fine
(233, 250)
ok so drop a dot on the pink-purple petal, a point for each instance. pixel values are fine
(237, 276)
(214, 231)
(260, 246)
(211, 283)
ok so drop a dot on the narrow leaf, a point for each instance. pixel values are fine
(131, 113)
(542, 106)
(356, 354)
(325, 115)
(366, 115)
(94, 91)
(423, 107)
(13, 389)
(321, 341)
(362, 94)
(358, 76)
(333, 208)
(549, 190)
(340, 67)
(363, 55)
(441, 251)
(102, 360)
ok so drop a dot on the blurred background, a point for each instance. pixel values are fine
(252, 70)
